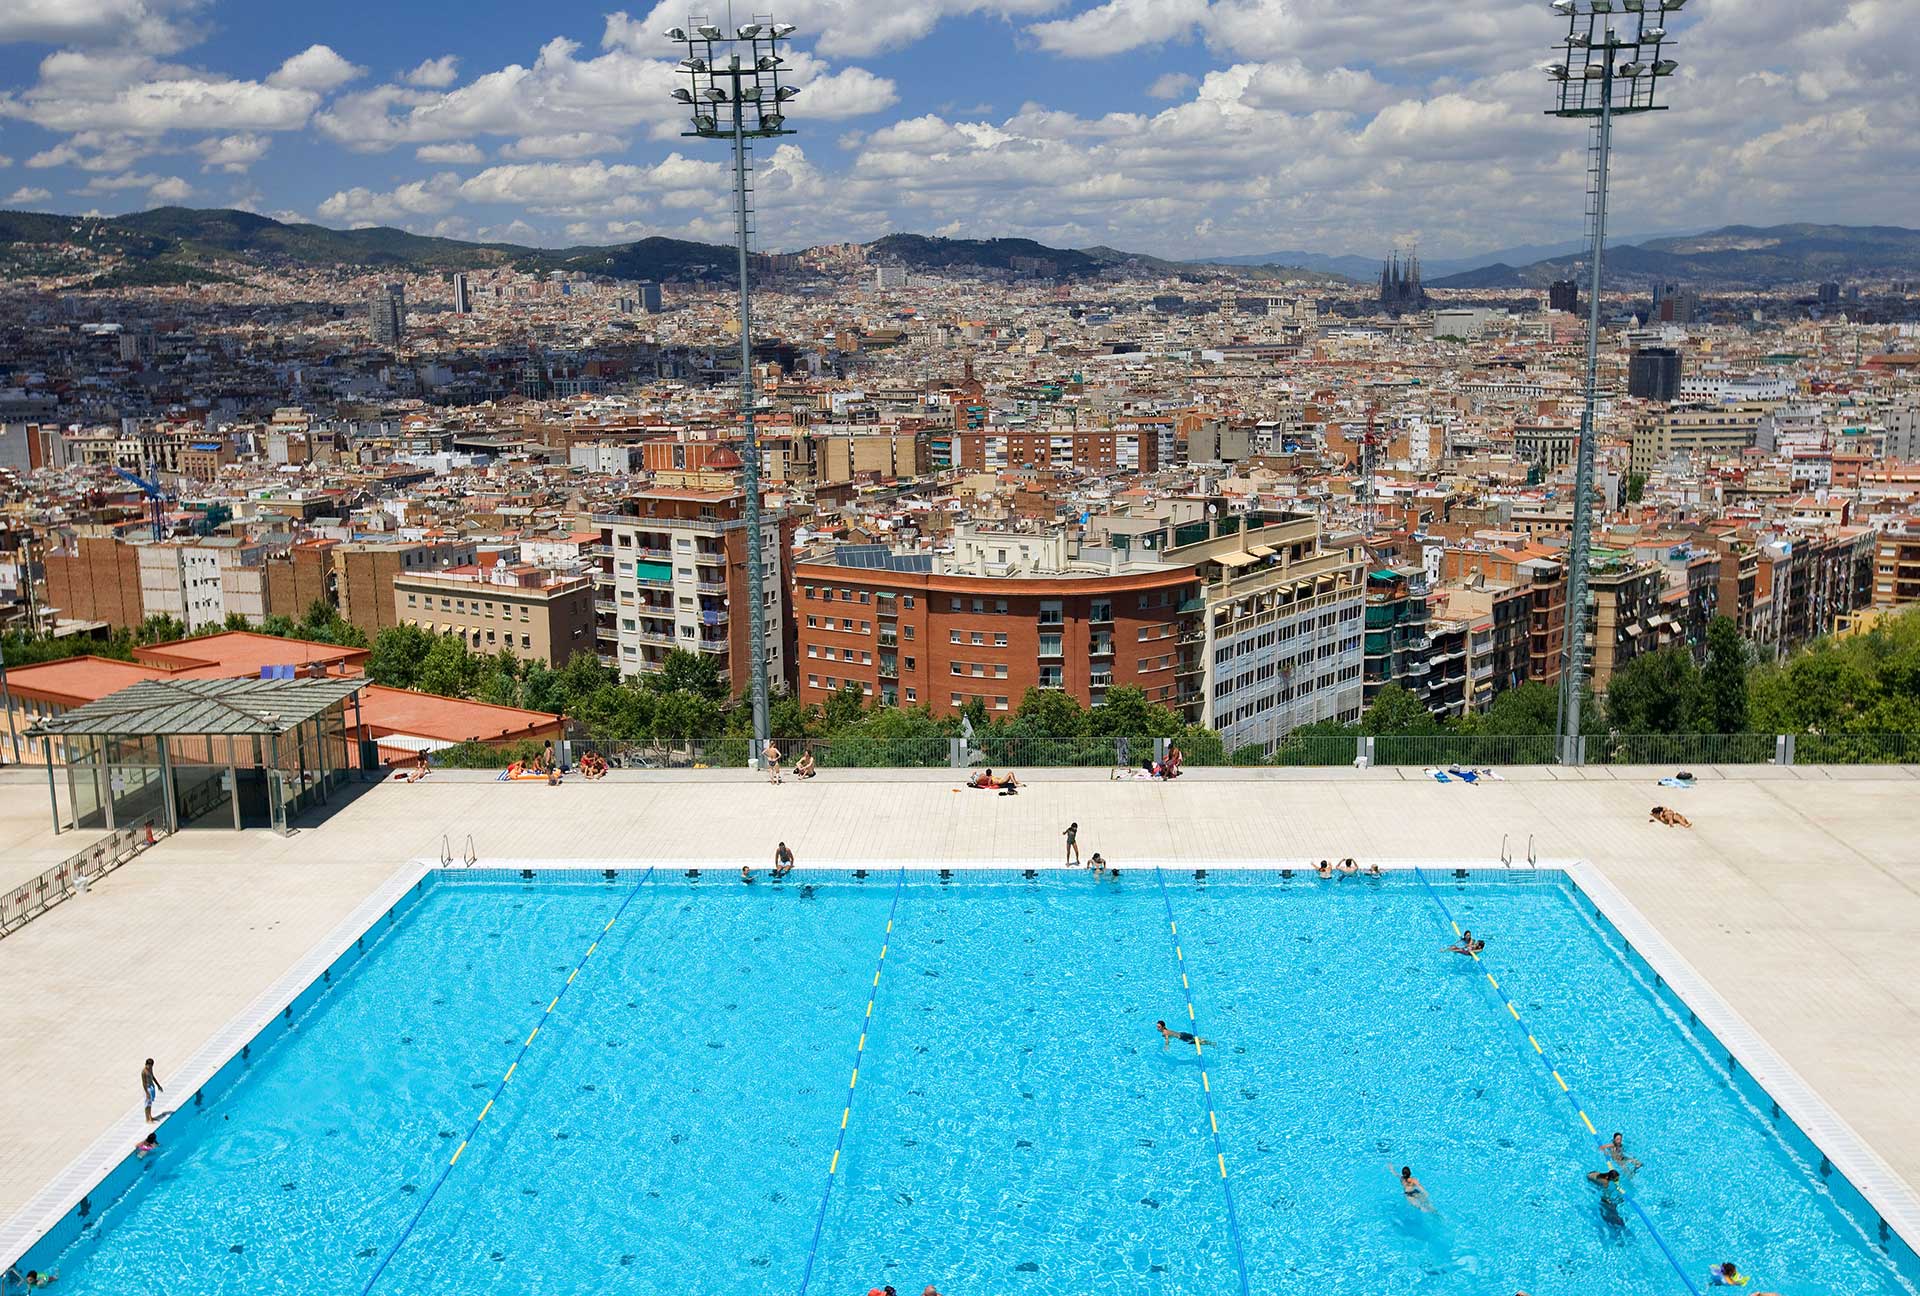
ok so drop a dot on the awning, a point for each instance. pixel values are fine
(1260, 551)
(236, 707)
(1238, 558)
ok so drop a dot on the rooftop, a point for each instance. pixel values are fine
(260, 707)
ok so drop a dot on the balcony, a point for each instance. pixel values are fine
(645, 583)
(713, 645)
(602, 577)
(711, 587)
(1100, 679)
(1100, 648)
(714, 616)
(889, 640)
(650, 551)
(605, 607)
(1050, 619)
(1190, 668)
(655, 637)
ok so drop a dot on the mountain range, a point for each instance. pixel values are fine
(184, 245)
(1734, 255)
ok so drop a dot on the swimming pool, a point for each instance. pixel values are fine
(688, 1116)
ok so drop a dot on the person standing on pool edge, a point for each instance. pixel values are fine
(1072, 834)
(151, 1085)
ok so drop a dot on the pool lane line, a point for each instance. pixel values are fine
(1573, 1098)
(500, 1088)
(1206, 1088)
(846, 1112)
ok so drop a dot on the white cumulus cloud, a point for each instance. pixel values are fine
(435, 73)
(317, 67)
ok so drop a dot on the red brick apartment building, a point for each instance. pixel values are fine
(917, 636)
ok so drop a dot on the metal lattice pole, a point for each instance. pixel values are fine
(1573, 673)
(1598, 59)
(717, 74)
(756, 544)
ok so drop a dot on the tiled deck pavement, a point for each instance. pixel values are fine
(1796, 894)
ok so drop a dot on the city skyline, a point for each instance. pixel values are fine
(1174, 127)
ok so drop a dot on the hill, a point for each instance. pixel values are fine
(180, 245)
(1733, 256)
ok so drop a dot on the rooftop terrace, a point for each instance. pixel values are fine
(1795, 895)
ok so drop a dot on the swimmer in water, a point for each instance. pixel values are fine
(1467, 945)
(746, 873)
(1415, 1191)
(1185, 1037)
(1324, 868)
(1349, 867)
(1617, 1153)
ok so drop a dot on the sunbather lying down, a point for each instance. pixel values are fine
(1669, 816)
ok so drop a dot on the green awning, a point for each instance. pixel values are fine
(653, 571)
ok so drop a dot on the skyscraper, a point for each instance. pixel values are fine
(1564, 295)
(462, 297)
(1653, 373)
(387, 315)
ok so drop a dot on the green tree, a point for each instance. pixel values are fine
(1722, 707)
(1636, 487)
(687, 672)
(237, 621)
(1127, 713)
(448, 669)
(1050, 713)
(1397, 712)
(1655, 693)
(159, 628)
(398, 652)
(844, 708)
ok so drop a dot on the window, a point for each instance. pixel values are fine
(978, 638)
(864, 597)
(953, 636)
(866, 658)
(411, 601)
(526, 641)
(956, 701)
(999, 704)
(808, 589)
(955, 667)
(909, 665)
(846, 623)
(1000, 670)
(813, 650)
(1049, 645)
(1000, 640)
(1102, 610)
(956, 605)
(980, 669)
(979, 606)
(866, 627)
(1050, 612)
(813, 681)
(828, 653)
(813, 623)
(908, 600)
(908, 630)
(912, 695)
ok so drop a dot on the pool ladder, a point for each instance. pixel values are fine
(467, 860)
(1506, 852)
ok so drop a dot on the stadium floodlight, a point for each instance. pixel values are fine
(1558, 71)
(1610, 70)
(740, 71)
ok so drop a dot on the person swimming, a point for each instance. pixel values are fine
(1617, 1153)
(1468, 944)
(1324, 868)
(1414, 1190)
(1726, 1274)
(1168, 1036)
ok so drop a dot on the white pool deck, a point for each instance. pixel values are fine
(1795, 897)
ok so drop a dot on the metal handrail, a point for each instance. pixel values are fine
(21, 904)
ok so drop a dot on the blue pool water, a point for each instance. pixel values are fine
(1017, 1125)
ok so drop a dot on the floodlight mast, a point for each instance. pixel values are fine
(718, 75)
(1598, 59)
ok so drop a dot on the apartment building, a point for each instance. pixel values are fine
(1896, 565)
(1629, 615)
(1662, 434)
(365, 570)
(672, 573)
(1248, 626)
(1087, 449)
(518, 607)
(97, 580)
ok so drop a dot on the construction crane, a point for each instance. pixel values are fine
(156, 501)
(1369, 461)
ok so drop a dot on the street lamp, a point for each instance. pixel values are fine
(1602, 71)
(741, 72)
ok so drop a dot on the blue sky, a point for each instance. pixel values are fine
(1179, 127)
